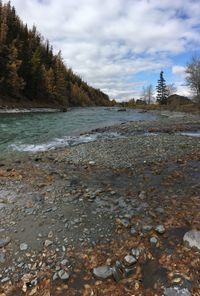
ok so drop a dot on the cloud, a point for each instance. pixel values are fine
(114, 41)
(178, 70)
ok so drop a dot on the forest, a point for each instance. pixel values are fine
(30, 72)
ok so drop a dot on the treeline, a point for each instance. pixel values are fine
(29, 70)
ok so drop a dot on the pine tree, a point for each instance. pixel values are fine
(14, 82)
(29, 70)
(162, 92)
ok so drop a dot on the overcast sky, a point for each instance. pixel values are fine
(119, 46)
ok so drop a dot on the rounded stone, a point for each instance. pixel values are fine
(103, 272)
(192, 237)
(23, 246)
(63, 275)
(129, 260)
(160, 229)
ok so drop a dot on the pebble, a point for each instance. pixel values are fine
(103, 272)
(129, 260)
(176, 291)
(117, 274)
(125, 222)
(2, 257)
(48, 243)
(146, 228)
(160, 210)
(133, 231)
(64, 262)
(63, 275)
(153, 240)
(160, 229)
(128, 271)
(192, 237)
(23, 246)
(136, 252)
(4, 280)
(4, 242)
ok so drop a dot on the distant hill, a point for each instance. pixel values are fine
(31, 75)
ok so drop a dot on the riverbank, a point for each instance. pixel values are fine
(68, 211)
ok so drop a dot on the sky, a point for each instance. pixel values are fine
(120, 46)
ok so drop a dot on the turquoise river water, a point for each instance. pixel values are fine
(32, 132)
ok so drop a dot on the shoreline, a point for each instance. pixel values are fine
(91, 204)
(31, 110)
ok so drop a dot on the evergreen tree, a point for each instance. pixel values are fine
(162, 91)
(30, 71)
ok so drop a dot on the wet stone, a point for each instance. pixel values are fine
(192, 237)
(103, 272)
(176, 291)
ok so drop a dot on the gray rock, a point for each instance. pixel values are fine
(64, 262)
(48, 243)
(4, 242)
(192, 237)
(142, 195)
(176, 291)
(63, 275)
(125, 222)
(160, 210)
(103, 272)
(136, 252)
(133, 231)
(153, 240)
(55, 276)
(23, 246)
(117, 274)
(4, 280)
(2, 257)
(129, 260)
(146, 228)
(128, 271)
(160, 229)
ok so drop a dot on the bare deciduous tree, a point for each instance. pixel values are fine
(147, 94)
(193, 76)
(171, 89)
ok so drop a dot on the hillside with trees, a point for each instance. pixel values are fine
(32, 75)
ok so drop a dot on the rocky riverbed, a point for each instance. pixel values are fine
(113, 217)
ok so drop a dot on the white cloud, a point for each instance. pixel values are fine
(178, 70)
(114, 40)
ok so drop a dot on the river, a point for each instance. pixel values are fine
(32, 132)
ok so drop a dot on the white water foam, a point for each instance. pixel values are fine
(64, 142)
(191, 134)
